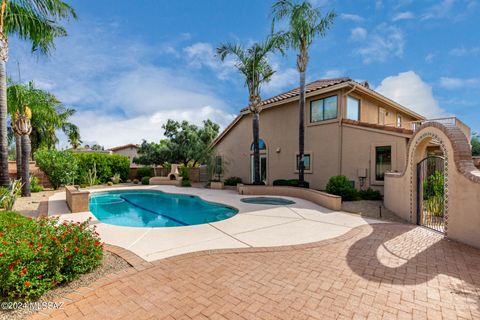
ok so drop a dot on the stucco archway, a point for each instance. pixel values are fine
(462, 182)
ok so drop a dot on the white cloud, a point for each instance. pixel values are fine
(333, 73)
(408, 89)
(203, 54)
(120, 93)
(456, 83)
(429, 57)
(358, 34)
(282, 80)
(440, 10)
(384, 42)
(462, 51)
(352, 17)
(403, 16)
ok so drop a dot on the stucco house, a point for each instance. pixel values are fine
(350, 130)
(128, 150)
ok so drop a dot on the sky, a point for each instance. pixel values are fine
(128, 66)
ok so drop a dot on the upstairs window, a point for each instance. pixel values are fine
(323, 109)
(353, 109)
(399, 121)
(261, 145)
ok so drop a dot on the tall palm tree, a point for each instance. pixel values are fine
(37, 113)
(304, 24)
(73, 135)
(253, 65)
(35, 21)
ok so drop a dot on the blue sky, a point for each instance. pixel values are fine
(129, 66)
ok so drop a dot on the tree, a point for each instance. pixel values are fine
(73, 135)
(304, 24)
(475, 144)
(38, 114)
(151, 153)
(35, 21)
(252, 63)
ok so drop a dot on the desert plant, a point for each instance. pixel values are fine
(186, 183)
(37, 255)
(433, 193)
(116, 178)
(59, 166)
(340, 186)
(91, 176)
(109, 183)
(232, 181)
(135, 181)
(35, 185)
(146, 180)
(9, 195)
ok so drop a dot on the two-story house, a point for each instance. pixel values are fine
(350, 130)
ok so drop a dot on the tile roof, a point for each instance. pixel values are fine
(130, 145)
(310, 87)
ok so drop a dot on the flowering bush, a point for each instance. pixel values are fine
(36, 255)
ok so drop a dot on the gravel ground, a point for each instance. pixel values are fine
(30, 206)
(371, 209)
(111, 263)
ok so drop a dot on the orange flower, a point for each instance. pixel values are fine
(27, 283)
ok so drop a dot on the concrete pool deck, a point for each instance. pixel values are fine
(254, 226)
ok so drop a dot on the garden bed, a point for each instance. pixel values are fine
(111, 264)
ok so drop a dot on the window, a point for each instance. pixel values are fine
(383, 161)
(382, 113)
(323, 109)
(353, 108)
(306, 162)
(261, 145)
(399, 121)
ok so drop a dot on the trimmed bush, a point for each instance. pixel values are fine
(146, 180)
(109, 183)
(232, 181)
(186, 183)
(59, 166)
(106, 166)
(289, 183)
(35, 185)
(340, 186)
(37, 255)
(135, 181)
(144, 172)
(370, 194)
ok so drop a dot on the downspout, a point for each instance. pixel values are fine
(344, 105)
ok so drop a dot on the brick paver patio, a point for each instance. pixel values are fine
(380, 271)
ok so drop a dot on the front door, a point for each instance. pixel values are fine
(263, 168)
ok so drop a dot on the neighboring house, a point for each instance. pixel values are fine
(350, 130)
(129, 150)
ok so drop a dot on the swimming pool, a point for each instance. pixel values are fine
(147, 208)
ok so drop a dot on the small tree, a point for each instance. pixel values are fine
(153, 154)
(475, 144)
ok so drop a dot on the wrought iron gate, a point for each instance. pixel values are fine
(431, 193)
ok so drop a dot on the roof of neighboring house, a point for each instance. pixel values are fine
(130, 145)
(320, 85)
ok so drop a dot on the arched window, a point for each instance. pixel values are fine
(261, 145)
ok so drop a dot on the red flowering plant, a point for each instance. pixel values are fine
(36, 255)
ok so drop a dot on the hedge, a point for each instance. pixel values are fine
(106, 166)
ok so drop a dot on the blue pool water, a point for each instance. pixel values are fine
(147, 208)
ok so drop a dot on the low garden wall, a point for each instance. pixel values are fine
(77, 200)
(34, 171)
(324, 199)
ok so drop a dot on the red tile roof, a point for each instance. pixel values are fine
(310, 87)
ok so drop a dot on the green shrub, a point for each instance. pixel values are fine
(35, 185)
(109, 183)
(105, 165)
(144, 172)
(232, 181)
(340, 186)
(289, 183)
(116, 178)
(146, 180)
(59, 166)
(370, 194)
(433, 193)
(184, 173)
(37, 255)
(8, 196)
(186, 183)
(135, 181)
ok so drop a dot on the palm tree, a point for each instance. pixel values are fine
(73, 135)
(305, 23)
(37, 113)
(37, 22)
(253, 65)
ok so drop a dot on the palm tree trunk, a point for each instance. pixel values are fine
(301, 131)
(18, 155)
(4, 178)
(25, 165)
(256, 148)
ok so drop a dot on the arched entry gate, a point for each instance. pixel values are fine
(431, 193)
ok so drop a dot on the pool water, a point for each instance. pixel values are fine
(268, 200)
(147, 208)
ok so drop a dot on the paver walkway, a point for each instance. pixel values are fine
(379, 271)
